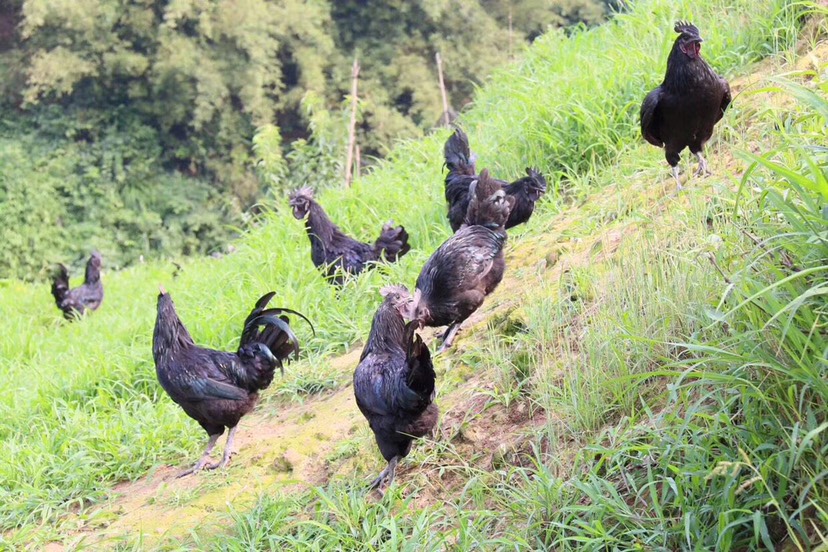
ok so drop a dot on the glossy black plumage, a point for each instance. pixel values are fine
(394, 382)
(86, 297)
(682, 112)
(333, 252)
(217, 388)
(460, 163)
(469, 265)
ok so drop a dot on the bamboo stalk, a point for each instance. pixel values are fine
(442, 89)
(349, 160)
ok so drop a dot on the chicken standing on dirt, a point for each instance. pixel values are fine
(394, 382)
(692, 99)
(332, 251)
(469, 265)
(216, 388)
(526, 191)
(87, 297)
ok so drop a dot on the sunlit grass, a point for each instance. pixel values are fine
(80, 408)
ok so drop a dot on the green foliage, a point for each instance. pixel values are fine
(61, 198)
(733, 455)
(317, 161)
(150, 89)
(205, 74)
(88, 388)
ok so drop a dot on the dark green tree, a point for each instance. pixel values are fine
(203, 73)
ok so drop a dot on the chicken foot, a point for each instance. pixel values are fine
(228, 451)
(675, 171)
(703, 169)
(386, 477)
(204, 457)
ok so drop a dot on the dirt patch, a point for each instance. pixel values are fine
(276, 450)
(289, 449)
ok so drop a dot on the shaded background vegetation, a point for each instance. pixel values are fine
(680, 380)
(131, 126)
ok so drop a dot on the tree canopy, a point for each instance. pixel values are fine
(149, 91)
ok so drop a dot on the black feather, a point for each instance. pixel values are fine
(337, 254)
(468, 266)
(87, 297)
(683, 110)
(217, 388)
(461, 175)
(394, 382)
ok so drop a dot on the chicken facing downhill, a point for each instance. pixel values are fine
(682, 112)
(216, 388)
(86, 297)
(460, 162)
(469, 265)
(394, 382)
(332, 251)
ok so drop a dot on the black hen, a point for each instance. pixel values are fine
(682, 111)
(332, 251)
(526, 191)
(469, 265)
(87, 297)
(394, 382)
(213, 387)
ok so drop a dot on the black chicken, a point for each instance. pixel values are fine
(86, 297)
(394, 382)
(469, 265)
(332, 251)
(526, 191)
(213, 387)
(692, 99)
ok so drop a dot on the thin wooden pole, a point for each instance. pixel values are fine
(349, 161)
(510, 32)
(357, 162)
(442, 89)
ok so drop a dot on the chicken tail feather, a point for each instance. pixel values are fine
(458, 155)
(271, 339)
(271, 328)
(60, 284)
(392, 243)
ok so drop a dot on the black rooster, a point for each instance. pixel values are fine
(394, 382)
(87, 297)
(469, 265)
(692, 99)
(332, 251)
(526, 191)
(213, 387)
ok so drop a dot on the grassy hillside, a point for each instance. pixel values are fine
(651, 374)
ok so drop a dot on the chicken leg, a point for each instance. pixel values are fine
(204, 457)
(386, 477)
(679, 187)
(703, 170)
(448, 337)
(228, 451)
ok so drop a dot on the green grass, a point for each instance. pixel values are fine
(696, 396)
(696, 414)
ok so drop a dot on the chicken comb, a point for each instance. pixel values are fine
(538, 180)
(685, 27)
(305, 193)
